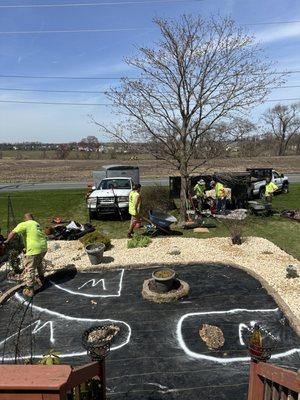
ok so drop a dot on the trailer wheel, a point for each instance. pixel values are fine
(92, 215)
(285, 188)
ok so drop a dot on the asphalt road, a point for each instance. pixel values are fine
(18, 187)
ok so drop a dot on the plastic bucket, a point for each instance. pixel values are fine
(95, 253)
(164, 285)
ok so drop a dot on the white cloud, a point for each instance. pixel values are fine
(288, 31)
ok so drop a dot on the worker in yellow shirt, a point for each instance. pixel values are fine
(134, 208)
(199, 190)
(36, 249)
(220, 196)
(271, 188)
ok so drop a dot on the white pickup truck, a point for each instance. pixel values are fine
(258, 178)
(111, 196)
(112, 186)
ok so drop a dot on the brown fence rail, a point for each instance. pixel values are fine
(52, 382)
(269, 382)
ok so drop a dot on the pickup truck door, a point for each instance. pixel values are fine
(277, 180)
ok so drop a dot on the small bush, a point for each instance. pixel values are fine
(95, 237)
(138, 241)
(156, 198)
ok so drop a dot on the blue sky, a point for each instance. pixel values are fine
(102, 54)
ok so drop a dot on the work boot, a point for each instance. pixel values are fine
(28, 292)
(129, 235)
(38, 284)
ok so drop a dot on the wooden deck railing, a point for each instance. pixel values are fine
(269, 382)
(52, 382)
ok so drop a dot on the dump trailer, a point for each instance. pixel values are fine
(116, 171)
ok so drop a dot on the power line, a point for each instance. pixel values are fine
(108, 78)
(63, 77)
(100, 91)
(294, 99)
(273, 22)
(115, 3)
(74, 31)
(100, 104)
(51, 91)
(101, 30)
(53, 103)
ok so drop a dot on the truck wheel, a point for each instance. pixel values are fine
(285, 188)
(92, 215)
(262, 191)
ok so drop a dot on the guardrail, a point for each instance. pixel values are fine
(269, 382)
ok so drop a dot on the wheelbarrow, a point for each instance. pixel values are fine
(257, 208)
(159, 222)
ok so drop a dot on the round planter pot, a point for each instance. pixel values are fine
(95, 253)
(164, 279)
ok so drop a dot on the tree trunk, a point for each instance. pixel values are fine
(183, 190)
(281, 148)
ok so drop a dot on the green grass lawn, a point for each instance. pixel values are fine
(70, 204)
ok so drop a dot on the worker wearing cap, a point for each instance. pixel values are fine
(134, 208)
(199, 190)
(271, 188)
(36, 249)
(220, 196)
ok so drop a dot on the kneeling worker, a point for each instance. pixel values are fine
(134, 207)
(36, 249)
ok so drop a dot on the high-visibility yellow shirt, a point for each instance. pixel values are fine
(34, 237)
(199, 190)
(270, 188)
(133, 198)
(220, 192)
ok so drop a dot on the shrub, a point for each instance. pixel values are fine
(138, 241)
(156, 198)
(95, 237)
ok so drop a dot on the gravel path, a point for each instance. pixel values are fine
(259, 256)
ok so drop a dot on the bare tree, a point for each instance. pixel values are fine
(89, 145)
(283, 122)
(62, 151)
(201, 74)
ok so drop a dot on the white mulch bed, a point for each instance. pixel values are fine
(256, 254)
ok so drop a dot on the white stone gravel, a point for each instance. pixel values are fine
(257, 255)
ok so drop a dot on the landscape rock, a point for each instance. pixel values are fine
(212, 336)
(291, 272)
(175, 251)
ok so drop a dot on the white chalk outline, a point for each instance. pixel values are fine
(220, 360)
(36, 328)
(94, 283)
(68, 318)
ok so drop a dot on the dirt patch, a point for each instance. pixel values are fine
(81, 170)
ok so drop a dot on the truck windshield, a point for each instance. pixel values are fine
(115, 184)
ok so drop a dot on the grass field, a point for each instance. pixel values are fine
(70, 204)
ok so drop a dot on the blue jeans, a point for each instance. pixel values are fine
(221, 205)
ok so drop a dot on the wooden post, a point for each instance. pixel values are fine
(103, 379)
(256, 385)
